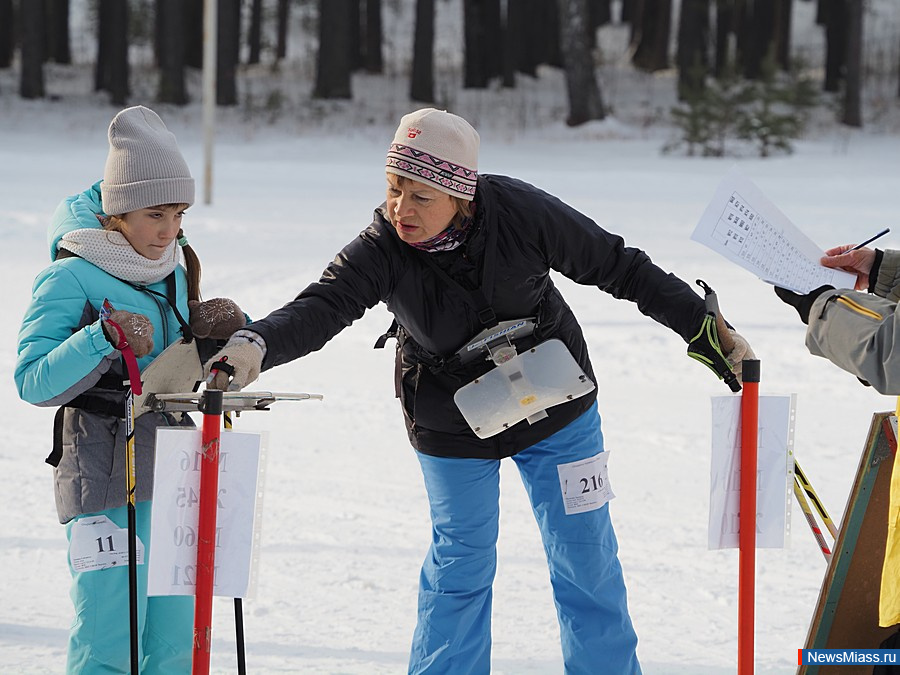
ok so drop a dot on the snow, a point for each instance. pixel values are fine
(345, 523)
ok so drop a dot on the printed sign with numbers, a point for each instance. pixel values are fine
(585, 484)
(175, 512)
(774, 471)
(97, 543)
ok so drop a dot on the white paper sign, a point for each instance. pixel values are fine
(175, 512)
(97, 543)
(585, 484)
(741, 224)
(775, 440)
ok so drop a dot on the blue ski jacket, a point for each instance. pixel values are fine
(63, 354)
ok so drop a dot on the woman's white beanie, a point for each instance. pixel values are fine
(437, 148)
(144, 166)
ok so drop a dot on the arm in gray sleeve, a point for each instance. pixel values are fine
(858, 333)
(887, 276)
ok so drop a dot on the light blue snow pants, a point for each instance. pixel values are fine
(99, 641)
(453, 632)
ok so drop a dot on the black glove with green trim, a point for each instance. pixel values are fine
(705, 348)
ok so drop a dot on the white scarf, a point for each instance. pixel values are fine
(110, 251)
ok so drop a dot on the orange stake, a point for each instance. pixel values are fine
(747, 537)
(206, 530)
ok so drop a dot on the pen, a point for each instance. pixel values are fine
(870, 240)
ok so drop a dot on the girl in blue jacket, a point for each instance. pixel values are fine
(120, 240)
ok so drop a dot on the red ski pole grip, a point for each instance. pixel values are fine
(750, 370)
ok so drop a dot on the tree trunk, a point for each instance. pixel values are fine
(57, 45)
(585, 102)
(474, 45)
(283, 17)
(481, 23)
(193, 33)
(599, 14)
(835, 43)
(853, 86)
(374, 60)
(254, 32)
(112, 68)
(693, 38)
(31, 77)
(422, 82)
(546, 31)
(7, 43)
(333, 69)
(756, 39)
(356, 43)
(522, 16)
(508, 47)
(822, 12)
(228, 46)
(494, 32)
(655, 22)
(170, 28)
(724, 30)
(784, 11)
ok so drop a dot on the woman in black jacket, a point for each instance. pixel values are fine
(491, 363)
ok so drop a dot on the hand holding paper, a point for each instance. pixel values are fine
(741, 224)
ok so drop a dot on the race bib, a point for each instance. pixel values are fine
(97, 543)
(585, 484)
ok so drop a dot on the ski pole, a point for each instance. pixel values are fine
(804, 483)
(133, 386)
(238, 603)
(811, 521)
(211, 407)
(747, 516)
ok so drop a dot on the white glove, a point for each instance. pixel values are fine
(738, 353)
(243, 356)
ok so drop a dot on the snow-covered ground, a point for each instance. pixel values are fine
(345, 521)
(345, 518)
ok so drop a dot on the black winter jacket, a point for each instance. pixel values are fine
(535, 232)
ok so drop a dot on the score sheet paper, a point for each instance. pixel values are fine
(741, 224)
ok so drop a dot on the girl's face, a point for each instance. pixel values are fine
(417, 211)
(150, 231)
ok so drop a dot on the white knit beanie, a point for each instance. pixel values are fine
(437, 148)
(144, 166)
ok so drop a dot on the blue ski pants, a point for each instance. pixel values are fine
(453, 631)
(99, 640)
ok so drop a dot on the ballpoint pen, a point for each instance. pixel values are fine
(870, 240)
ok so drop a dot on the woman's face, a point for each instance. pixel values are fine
(150, 231)
(416, 210)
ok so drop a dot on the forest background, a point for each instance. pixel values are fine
(779, 63)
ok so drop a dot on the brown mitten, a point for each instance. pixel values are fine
(217, 318)
(136, 329)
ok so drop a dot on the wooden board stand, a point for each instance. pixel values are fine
(846, 615)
